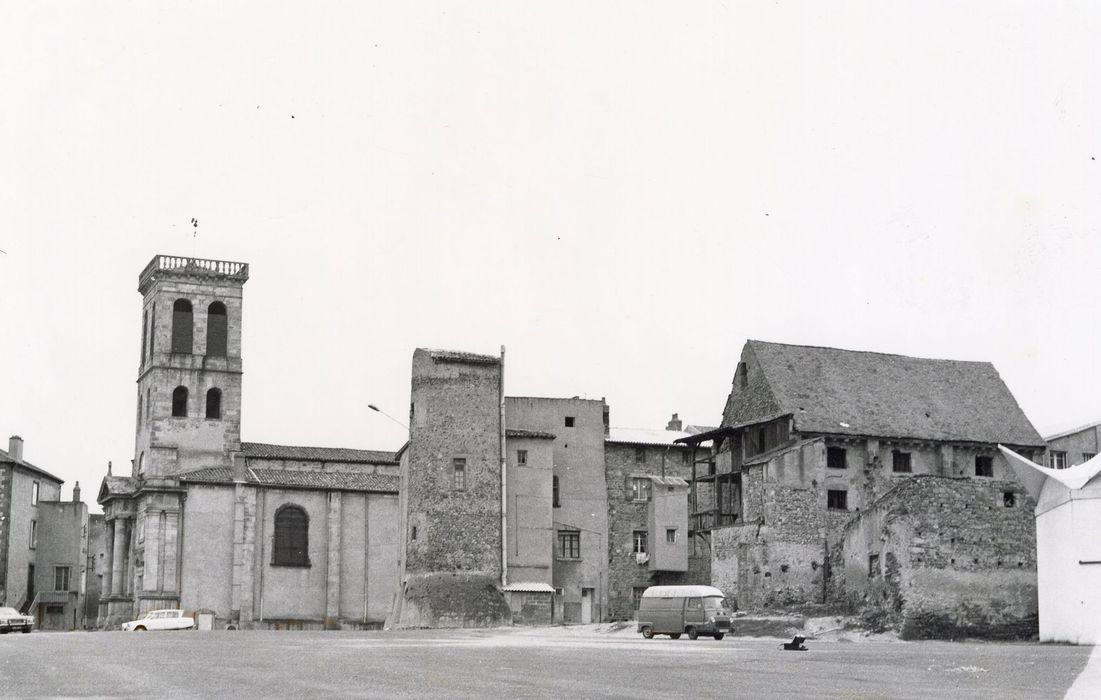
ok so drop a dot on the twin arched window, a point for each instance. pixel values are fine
(213, 403)
(292, 537)
(183, 328)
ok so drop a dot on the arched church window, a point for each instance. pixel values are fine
(292, 527)
(214, 403)
(179, 402)
(216, 330)
(182, 330)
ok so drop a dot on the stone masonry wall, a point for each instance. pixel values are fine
(942, 557)
(625, 516)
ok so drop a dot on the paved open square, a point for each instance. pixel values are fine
(572, 662)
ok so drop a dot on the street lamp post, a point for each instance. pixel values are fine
(376, 409)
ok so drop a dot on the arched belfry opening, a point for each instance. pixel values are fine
(217, 329)
(182, 326)
(214, 404)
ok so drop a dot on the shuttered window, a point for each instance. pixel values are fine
(292, 537)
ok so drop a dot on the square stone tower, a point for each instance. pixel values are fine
(451, 554)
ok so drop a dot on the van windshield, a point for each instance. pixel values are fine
(714, 603)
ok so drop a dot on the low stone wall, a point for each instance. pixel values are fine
(449, 600)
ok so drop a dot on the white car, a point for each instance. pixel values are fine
(159, 620)
(11, 620)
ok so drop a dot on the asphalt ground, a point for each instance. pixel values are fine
(574, 662)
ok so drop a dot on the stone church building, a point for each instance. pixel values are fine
(255, 535)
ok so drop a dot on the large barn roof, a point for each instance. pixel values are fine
(827, 390)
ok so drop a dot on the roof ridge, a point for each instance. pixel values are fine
(869, 352)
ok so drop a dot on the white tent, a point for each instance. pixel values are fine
(1068, 547)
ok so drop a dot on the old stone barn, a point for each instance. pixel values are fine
(871, 482)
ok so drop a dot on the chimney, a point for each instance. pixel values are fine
(15, 448)
(76, 492)
(607, 417)
(674, 423)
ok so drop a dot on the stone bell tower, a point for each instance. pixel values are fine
(188, 417)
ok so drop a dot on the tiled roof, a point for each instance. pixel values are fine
(644, 436)
(466, 357)
(828, 390)
(116, 486)
(518, 433)
(288, 478)
(260, 450)
(5, 457)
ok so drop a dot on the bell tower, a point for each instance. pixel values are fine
(188, 418)
(189, 374)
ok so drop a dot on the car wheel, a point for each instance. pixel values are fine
(26, 630)
(692, 633)
(139, 628)
(648, 632)
(675, 636)
(718, 636)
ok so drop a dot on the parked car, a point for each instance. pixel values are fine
(159, 620)
(11, 620)
(677, 610)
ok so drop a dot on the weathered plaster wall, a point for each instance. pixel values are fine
(578, 453)
(530, 525)
(19, 516)
(1077, 445)
(208, 549)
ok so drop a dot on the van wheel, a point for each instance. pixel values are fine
(648, 632)
(718, 636)
(675, 636)
(692, 633)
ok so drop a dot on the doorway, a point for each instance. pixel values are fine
(586, 606)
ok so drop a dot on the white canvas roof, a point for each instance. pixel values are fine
(1033, 475)
(682, 592)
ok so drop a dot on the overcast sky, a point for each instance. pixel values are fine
(619, 192)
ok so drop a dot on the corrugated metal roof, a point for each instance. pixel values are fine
(682, 591)
(528, 588)
(261, 450)
(645, 436)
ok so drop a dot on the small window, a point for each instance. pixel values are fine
(1087, 456)
(569, 421)
(61, 578)
(640, 455)
(901, 462)
(458, 473)
(762, 440)
(636, 596)
(554, 492)
(873, 566)
(292, 536)
(413, 535)
(521, 456)
(55, 609)
(152, 330)
(569, 544)
(216, 330)
(148, 402)
(639, 537)
(639, 488)
(1057, 459)
(34, 493)
(836, 458)
(34, 534)
(214, 404)
(182, 327)
(144, 333)
(984, 465)
(837, 499)
(179, 402)
(671, 535)
(1009, 499)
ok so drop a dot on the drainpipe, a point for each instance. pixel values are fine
(504, 479)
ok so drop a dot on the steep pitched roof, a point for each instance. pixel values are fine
(828, 390)
(300, 479)
(260, 450)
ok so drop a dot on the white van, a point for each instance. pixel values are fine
(676, 610)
